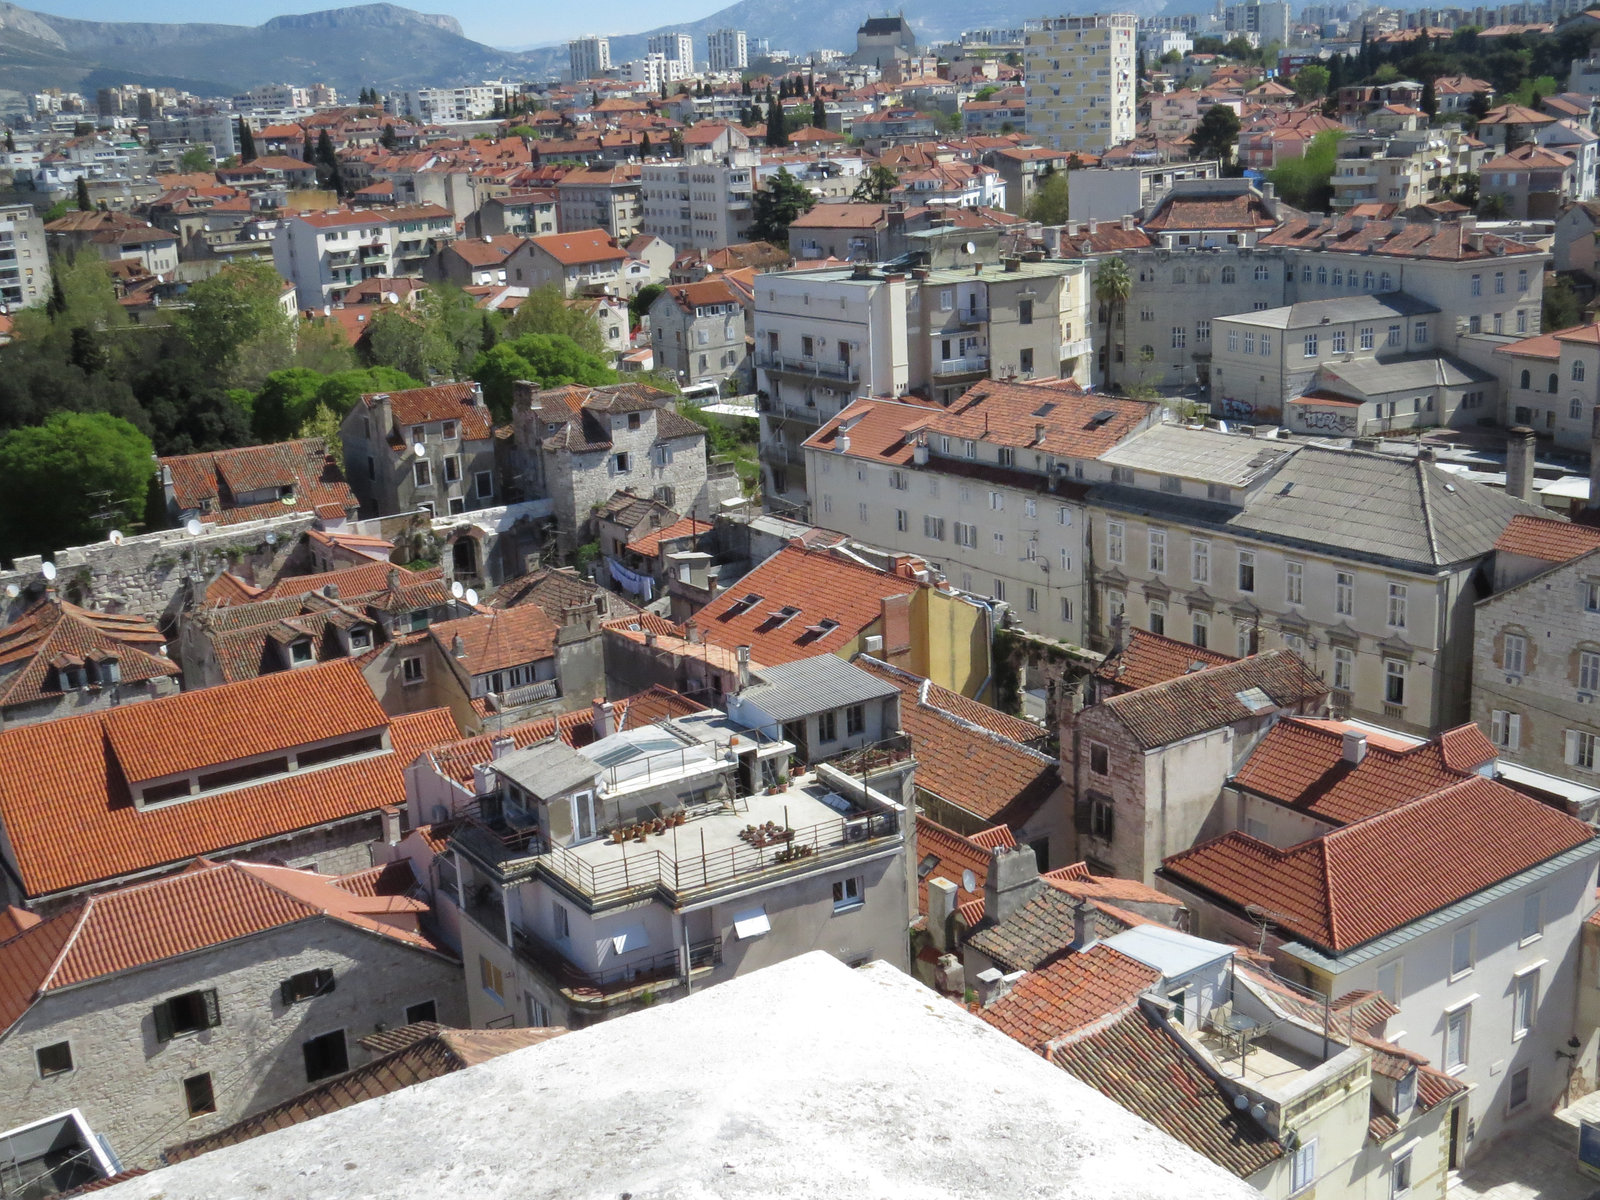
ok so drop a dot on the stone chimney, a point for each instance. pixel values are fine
(390, 816)
(992, 985)
(942, 898)
(742, 655)
(604, 717)
(501, 746)
(1083, 934)
(1013, 881)
(1355, 747)
(1519, 463)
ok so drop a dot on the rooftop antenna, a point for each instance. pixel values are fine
(272, 538)
(969, 881)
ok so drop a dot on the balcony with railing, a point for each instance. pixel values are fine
(808, 368)
(585, 985)
(971, 365)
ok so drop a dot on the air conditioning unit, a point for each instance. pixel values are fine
(875, 643)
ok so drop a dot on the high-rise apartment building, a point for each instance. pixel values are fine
(726, 50)
(675, 47)
(590, 56)
(1081, 73)
(24, 259)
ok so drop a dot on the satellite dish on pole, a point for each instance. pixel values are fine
(13, 591)
(458, 589)
(419, 450)
(192, 527)
(472, 597)
(115, 537)
(969, 881)
(48, 570)
(971, 247)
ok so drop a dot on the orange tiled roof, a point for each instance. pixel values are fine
(53, 627)
(1148, 659)
(1300, 764)
(1073, 991)
(73, 774)
(585, 246)
(1343, 888)
(1194, 703)
(1449, 241)
(207, 905)
(945, 854)
(649, 545)
(499, 639)
(444, 402)
(304, 467)
(1549, 540)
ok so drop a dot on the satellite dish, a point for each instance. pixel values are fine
(115, 537)
(458, 589)
(1241, 1102)
(48, 570)
(969, 881)
(272, 538)
(472, 597)
(971, 247)
(1258, 1111)
(391, 297)
(192, 527)
(13, 591)
(420, 450)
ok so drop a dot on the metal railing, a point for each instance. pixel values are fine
(971, 364)
(651, 870)
(810, 367)
(668, 965)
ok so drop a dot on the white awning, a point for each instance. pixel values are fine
(750, 924)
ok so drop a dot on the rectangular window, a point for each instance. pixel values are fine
(1025, 312)
(1200, 561)
(1588, 671)
(1102, 817)
(933, 528)
(1233, 341)
(1338, 341)
(999, 543)
(999, 588)
(1505, 729)
(54, 1060)
(1457, 1033)
(1033, 599)
(305, 985)
(862, 511)
(1266, 345)
(1517, 1091)
(1344, 668)
(452, 468)
(1158, 550)
(484, 481)
(1580, 749)
(1524, 1004)
(1180, 336)
(621, 463)
(899, 480)
(1365, 338)
(827, 727)
(1395, 334)
(1066, 609)
(1461, 956)
(325, 1055)
(1247, 571)
(1294, 580)
(1394, 681)
(199, 1096)
(1419, 332)
(491, 977)
(425, 1011)
(1344, 593)
(1249, 342)
(188, 1013)
(1200, 634)
(855, 720)
(1515, 657)
(1303, 1168)
(411, 670)
(849, 893)
(902, 520)
(997, 501)
(1114, 541)
(1400, 1177)
(1591, 596)
(1311, 345)
(1397, 605)
(421, 474)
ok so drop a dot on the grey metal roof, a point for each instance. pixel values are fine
(1309, 314)
(548, 769)
(813, 685)
(1207, 455)
(1358, 503)
(1408, 373)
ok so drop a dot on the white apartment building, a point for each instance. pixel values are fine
(444, 105)
(1269, 21)
(1081, 74)
(590, 57)
(24, 257)
(324, 254)
(675, 47)
(987, 490)
(701, 202)
(272, 96)
(1407, 168)
(654, 71)
(726, 51)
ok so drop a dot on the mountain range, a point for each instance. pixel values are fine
(386, 46)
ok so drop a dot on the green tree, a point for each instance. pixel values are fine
(247, 142)
(546, 311)
(547, 360)
(875, 185)
(1430, 99)
(1112, 287)
(777, 205)
(55, 212)
(644, 145)
(84, 203)
(1306, 182)
(642, 300)
(1216, 134)
(819, 113)
(236, 324)
(329, 174)
(388, 139)
(777, 125)
(1562, 309)
(1311, 83)
(196, 159)
(286, 401)
(1048, 205)
(55, 477)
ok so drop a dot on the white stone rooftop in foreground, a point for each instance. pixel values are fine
(804, 1079)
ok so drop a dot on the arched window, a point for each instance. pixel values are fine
(1147, 353)
(1577, 372)
(1552, 381)
(1228, 275)
(1527, 380)
(1575, 412)
(1177, 274)
(1367, 281)
(1261, 273)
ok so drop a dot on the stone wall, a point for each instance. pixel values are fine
(154, 574)
(131, 1087)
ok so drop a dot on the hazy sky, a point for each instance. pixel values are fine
(494, 22)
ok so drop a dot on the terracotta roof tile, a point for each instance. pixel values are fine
(1136, 1062)
(649, 545)
(446, 402)
(499, 639)
(1420, 239)
(1070, 993)
(1179, 212)
(944, 854)
(1148, 659)
(72, 774)
(1195, 703)
(1549, 540)
(575, 249)
(304, 467)
(53, 627)
(1358, 882)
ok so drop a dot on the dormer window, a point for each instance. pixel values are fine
(300, 651)
(1405, 1093)
(361, 638)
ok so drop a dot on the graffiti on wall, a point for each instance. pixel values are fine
(1326, 420)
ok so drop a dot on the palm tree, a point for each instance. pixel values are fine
(1112, 287)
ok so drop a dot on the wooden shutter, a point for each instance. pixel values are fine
(1572, 747)
(286, 992)
(213, 1011)
(324, 981)
(163, 1020)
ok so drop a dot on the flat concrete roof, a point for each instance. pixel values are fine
(806, 1079)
